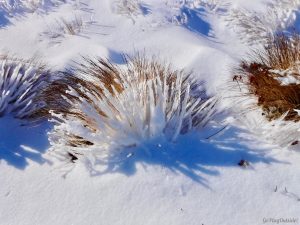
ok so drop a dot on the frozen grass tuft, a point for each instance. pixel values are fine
(62, 28)
(130, 8)
(67, 27)
(21, 83)
(256, 27)
(282, 52)
(72, 27)
(109, 109)
(253, 27)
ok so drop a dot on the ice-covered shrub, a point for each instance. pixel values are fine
(20, 85)
(108, 109)
(253, 27)
(257, 27)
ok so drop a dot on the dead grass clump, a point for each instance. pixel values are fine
(274, 98)
(273, 76)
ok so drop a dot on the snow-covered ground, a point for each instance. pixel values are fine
(197, 179)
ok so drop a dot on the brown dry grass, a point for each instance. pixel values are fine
(282, 52)
(56, 95)
(274, 98)
(260, 75)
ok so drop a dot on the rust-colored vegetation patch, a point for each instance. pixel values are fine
(262, 74)
(274, 98)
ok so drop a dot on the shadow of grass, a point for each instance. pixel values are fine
(20, 143)
(190, 156)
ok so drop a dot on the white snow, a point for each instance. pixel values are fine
(194, 180)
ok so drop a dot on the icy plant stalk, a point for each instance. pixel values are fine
(20, 84)
(113, 110)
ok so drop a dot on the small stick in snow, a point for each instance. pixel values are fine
(219, 131)
(237, 79)
(243, 163)
(73, 157)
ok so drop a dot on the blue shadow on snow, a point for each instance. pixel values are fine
(3, 19)
(21, 143)
(190, 156)
(195, 21)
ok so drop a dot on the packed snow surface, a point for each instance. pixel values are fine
(192, 181)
